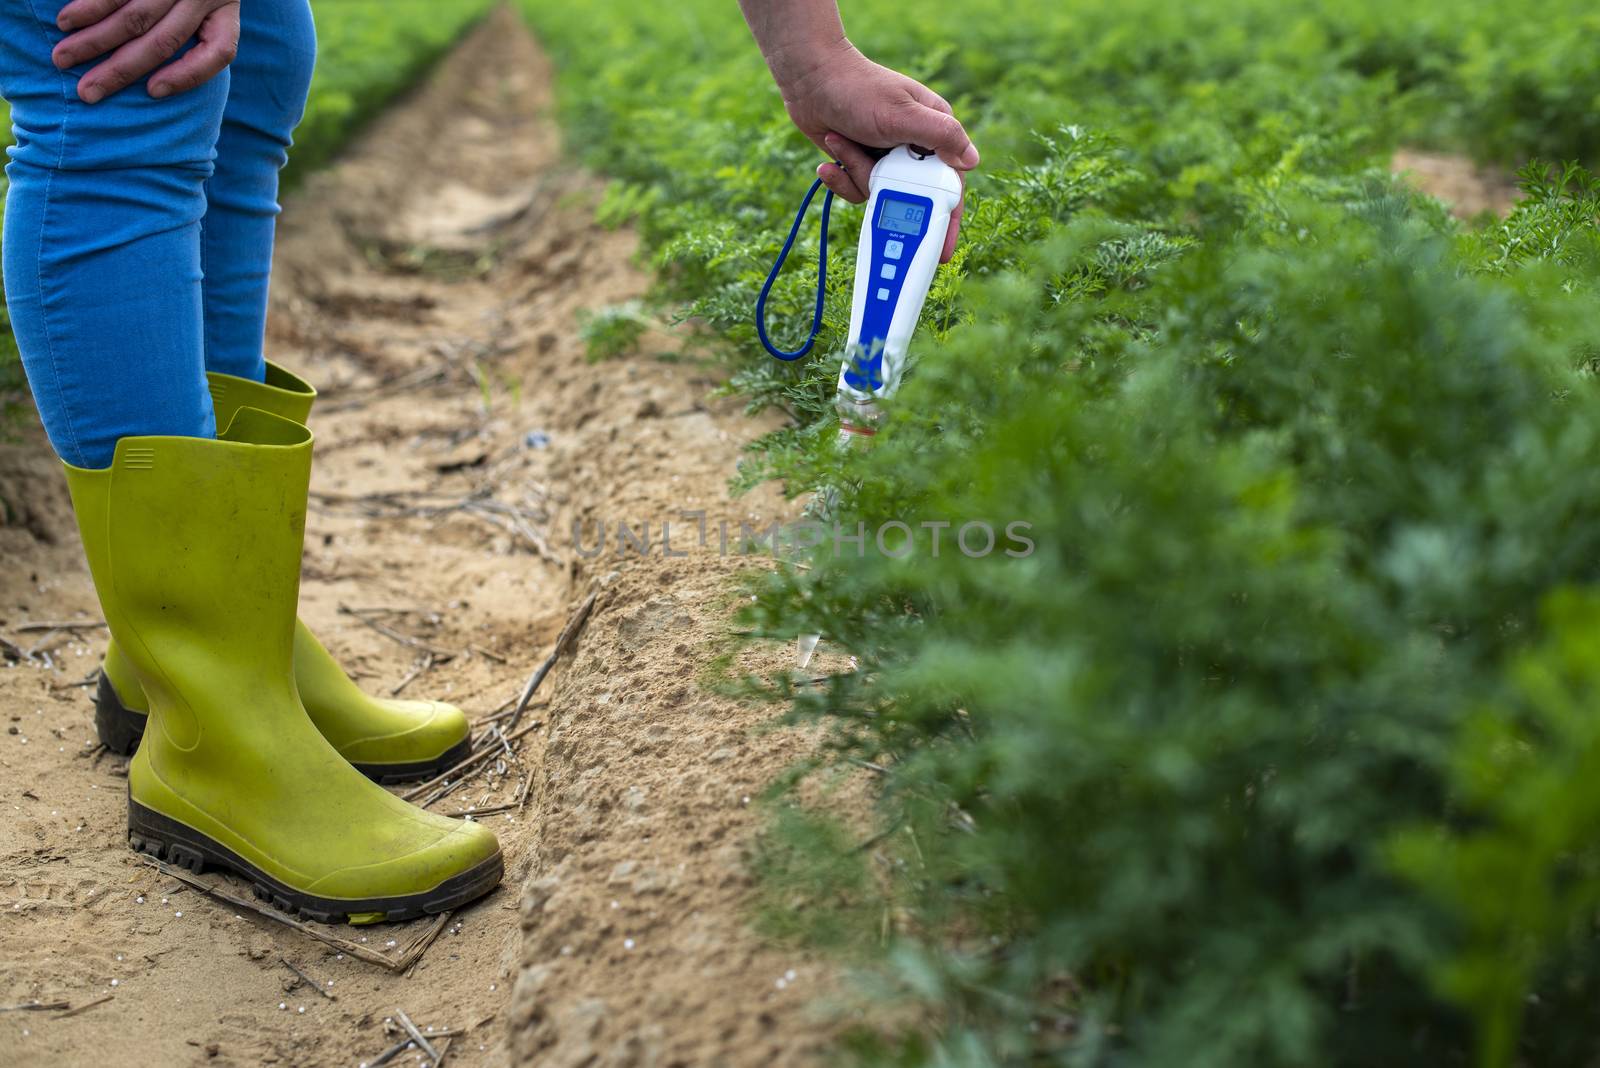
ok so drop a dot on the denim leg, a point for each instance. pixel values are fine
(271, 77)
(102, 246)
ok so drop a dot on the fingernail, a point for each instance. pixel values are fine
(969, 158)
(159, 91)
(92, 95)
(64, 24)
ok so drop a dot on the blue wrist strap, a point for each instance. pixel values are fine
(822, 277)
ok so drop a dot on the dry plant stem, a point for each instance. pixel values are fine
(471, 762)
(513, 523)
(422, 667)
(476, 812)
(416, 1036)
(85, 1007)
(14, 651)
(877, 769)
(304, 978)
(490, 810)
(568, 632)
(442, 793)
(425, 376)
(74, 624)
(498, 714)
(88, 680)
(479, 504)
(500, 737)
(46, 644)
(344, 945)
(37, 1006)
(449, 1035)
(389, 1054)
(440, 655)
(414, 952)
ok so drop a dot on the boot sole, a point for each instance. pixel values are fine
(177, 843)
(120, 730)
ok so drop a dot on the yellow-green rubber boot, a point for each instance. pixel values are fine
(387, 740)
(194, 545)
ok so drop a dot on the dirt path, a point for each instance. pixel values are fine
(1469, 189)
(431, 284)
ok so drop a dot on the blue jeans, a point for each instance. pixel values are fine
(138, 232)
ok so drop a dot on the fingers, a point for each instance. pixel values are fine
(927, 96)
(82, 13)
(143, 54)
(837, 182)
(121, 21)
(218, 45)
(916, 123)
(953, 234)
(856, 172)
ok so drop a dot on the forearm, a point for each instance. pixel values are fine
(845, 103)
(795, 36)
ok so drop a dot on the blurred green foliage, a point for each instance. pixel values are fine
(367, 51)
(1268, 754)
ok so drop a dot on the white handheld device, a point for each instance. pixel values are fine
(902, 237)
(913, 196)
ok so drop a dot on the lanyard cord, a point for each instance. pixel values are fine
(822, 277)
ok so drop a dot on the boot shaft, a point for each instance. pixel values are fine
(283, 393)
(194, 546)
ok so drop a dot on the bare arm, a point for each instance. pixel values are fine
(847, 104)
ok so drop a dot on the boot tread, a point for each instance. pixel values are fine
(164, 838)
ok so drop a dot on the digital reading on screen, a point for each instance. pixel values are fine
(901, 217)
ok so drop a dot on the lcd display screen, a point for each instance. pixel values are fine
(901, 217)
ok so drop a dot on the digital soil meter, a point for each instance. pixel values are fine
(913, 195)
(902, 235)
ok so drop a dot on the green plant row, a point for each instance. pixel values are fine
(1278, 746)
(368, 50)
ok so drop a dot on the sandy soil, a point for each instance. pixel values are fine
(431, 284)
(1468, 188)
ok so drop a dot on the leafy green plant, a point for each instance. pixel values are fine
(613, 330)
(1204, 778)
(1527, 774)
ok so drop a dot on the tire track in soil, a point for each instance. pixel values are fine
(430, 284)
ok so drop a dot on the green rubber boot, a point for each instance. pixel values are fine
(386, 740)
(194, 545)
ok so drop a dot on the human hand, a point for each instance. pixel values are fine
(847, 104)
(140, 36)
